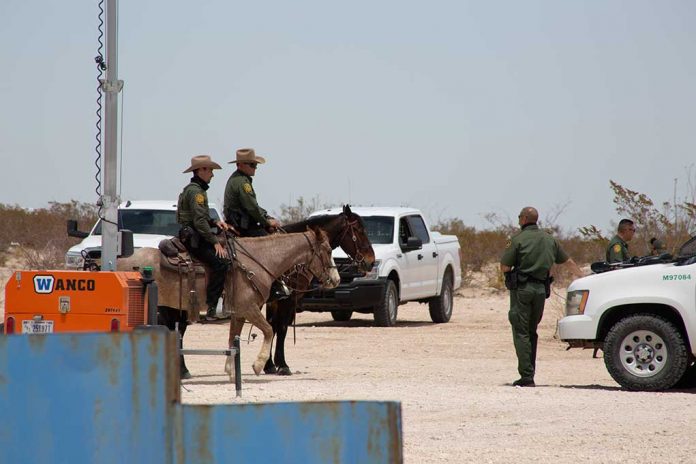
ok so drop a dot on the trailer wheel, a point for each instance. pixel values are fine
(645, 352)
(441, 305)
(341, 316)
(385, 313)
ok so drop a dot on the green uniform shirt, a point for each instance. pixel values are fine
(533, 252)
(617, 251)
(240, 198)
(192, 210)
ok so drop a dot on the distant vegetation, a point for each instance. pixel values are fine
(39, 236)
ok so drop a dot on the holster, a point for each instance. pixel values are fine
(511, 280)
(190, 237)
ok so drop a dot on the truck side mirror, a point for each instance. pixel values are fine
(412, 243)
(125, 243)
(72, 230)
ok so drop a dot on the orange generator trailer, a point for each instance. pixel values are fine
(40, 302)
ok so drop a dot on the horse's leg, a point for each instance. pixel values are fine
(236, 326)
(284, 315)
(271, 317)
(169, 317)
(256, 318)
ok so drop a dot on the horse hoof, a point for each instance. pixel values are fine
(270, 369)
(284, 371)
(258, 367)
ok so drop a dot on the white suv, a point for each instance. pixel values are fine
(149, 220)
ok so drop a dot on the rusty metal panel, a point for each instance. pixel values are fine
(113, 398)
(315, 432)
(87, 397)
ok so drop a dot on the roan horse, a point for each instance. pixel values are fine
(257, 263)
(346, 230)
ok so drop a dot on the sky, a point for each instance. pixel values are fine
(459, 108)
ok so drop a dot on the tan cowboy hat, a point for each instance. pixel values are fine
(202, 161)
(248, 155)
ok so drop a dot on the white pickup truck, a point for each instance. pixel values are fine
(412, 264)
(642, 314)
(149, 220)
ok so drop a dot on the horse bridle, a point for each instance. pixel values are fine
(352, 226)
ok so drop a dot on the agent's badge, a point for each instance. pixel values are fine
(200, 198)
(508, 244)
(617, 248)
(247, 188)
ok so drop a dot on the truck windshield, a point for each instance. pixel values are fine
(380, 229)
(146, 221)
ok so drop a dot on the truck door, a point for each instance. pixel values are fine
(427, 257)
(408, 264)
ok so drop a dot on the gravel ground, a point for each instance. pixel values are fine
(453, 381)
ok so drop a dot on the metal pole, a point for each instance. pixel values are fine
(111, 86)
(237, 366)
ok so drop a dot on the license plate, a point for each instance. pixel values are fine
(37, 327)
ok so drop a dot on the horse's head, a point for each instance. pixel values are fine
(321, 263)
(354, 241)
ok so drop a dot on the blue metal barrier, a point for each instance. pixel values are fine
(115, 398)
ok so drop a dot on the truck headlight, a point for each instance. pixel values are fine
(74, 260)
(373, 273)
(576, 301)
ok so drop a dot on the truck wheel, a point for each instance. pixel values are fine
(645, 352)
(2, 328)
(341, 316)
(441, 305)
(385, 313)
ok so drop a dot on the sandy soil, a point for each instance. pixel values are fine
(453, 381)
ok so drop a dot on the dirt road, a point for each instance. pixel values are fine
(453, 381)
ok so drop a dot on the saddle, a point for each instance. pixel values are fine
(175, 258)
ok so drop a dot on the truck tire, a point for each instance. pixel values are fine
(645, 352)
(341, 316)
(441, 305)
(385, 313)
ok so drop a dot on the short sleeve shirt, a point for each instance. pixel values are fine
(533, 252)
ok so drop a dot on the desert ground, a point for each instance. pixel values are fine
(453, 382)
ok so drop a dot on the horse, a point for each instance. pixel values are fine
(346, 230)
(256, 263)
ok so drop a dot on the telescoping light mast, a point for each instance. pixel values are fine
(111, 86)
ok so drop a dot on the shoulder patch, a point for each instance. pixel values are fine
(617, 248)
(200, 198)
(247, 188)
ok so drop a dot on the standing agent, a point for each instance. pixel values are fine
(617, 251)
(526, 263)
(241, 208)
(193, 214)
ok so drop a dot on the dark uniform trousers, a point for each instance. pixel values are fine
(205, 253)
(526, 311)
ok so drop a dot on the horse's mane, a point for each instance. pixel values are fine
(314, 221)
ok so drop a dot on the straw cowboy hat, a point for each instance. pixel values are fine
(248, 155)
(202, 161)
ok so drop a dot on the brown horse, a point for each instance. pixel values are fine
(257, 263)
(346, 230)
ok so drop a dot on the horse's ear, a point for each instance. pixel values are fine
(346, 209)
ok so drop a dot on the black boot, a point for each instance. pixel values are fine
(211, 314)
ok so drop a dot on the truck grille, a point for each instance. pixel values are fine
(347, 270)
